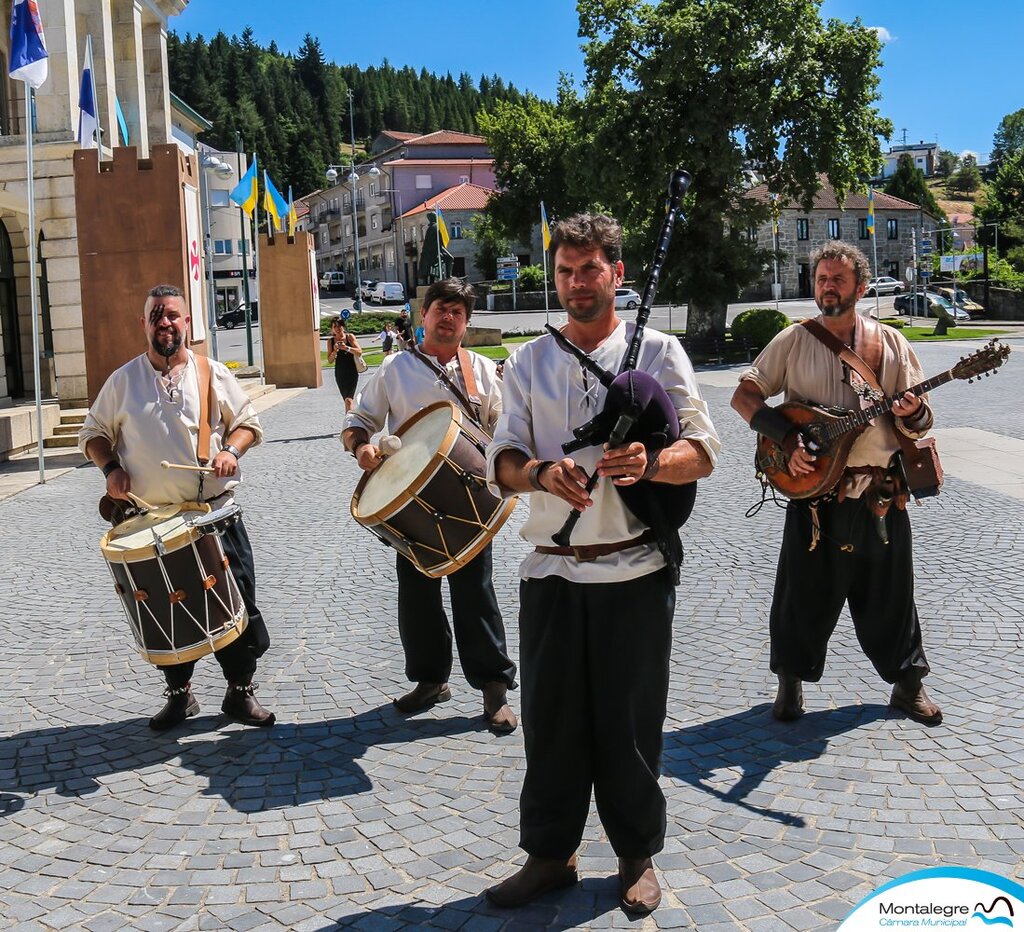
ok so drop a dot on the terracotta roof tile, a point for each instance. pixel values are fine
(459, 197)
(826, 199)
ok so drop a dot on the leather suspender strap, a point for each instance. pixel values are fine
(206, 408)
(474, 413)
(858, 365)
(468, 379)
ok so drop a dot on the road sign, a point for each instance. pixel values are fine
(346, 314)
(508, 274)
(910, 273)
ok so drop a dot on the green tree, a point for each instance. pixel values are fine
(966, 179)
(718, 86)
(946, 163)
(1008, 138)
(492, 240)
(908, 183)
(1003, 202)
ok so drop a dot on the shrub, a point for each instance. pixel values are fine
(759, 325)
(531, 278)
(362, 325)
(894, 322)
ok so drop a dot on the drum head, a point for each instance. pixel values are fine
(136, 538)
(218, 520)
(398, 473)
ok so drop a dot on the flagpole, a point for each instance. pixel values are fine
(874, 247)
(437, 230)
(33, 283)
(544, 253)
(256, 265)
(245, 264)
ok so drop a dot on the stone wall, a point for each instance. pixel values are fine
(1003, 304)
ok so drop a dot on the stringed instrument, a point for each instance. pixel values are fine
(830, 432)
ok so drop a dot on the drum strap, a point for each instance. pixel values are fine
(206, 407)
(472, 404)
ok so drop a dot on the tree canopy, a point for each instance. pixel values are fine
(720, 88)
(908, 183)
(1008, 138)
(292, 110)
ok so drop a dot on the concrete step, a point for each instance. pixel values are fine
(73, 415)
(254, 390)
(67, 430)
(61, 441)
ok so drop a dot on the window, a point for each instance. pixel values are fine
(373, 189)
(219, 198)
(348, 229)
(222, 247)
(463, 179)
(751, 234)
(455, 229)
(802, 231)
(423, 182)
(243, 247)
(892, 229)
(325, 238)
(862, 228)
(348, 202)
(833, 229)
(894, 269)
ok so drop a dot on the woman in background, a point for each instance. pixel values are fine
(342, 349)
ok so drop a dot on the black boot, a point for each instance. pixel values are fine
(181, 704)
(909, 696)
(789, 701)
(240, 705)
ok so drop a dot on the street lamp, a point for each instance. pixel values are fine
(399, 256)
(353, 179)
(210, 163)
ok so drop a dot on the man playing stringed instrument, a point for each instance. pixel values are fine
(848, 545)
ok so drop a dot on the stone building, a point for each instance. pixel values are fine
(130, 61)
(802, 231)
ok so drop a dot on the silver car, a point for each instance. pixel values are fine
(883, 285)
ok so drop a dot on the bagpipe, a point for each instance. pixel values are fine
(637, 408)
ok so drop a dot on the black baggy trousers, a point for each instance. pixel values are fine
(479, 629)
(595, 660)
(875, 578)
(238, 659)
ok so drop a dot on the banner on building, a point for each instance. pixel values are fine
(196, 276)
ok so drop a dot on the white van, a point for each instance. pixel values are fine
(387, 293)
(332, 281)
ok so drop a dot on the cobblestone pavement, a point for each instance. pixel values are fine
(347, 815)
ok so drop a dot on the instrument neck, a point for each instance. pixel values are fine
(857, 418)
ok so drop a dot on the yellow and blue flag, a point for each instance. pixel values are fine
(871, 211)
(273, 203)
(293, 217)
(442, 227)
(245, 194)
(545, 230)
(775, 213)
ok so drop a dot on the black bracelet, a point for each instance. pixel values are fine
(534, 474)
(233, 450)
(772, 423)
(108, 468)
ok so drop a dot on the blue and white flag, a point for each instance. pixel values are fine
(28, 47)
(88, 125)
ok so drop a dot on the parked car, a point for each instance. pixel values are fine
(387, 293)
(332, 281)
(365, 287)
(235, 316)
(964, 301)
(883, 285)
(927, 305)
(626, 297)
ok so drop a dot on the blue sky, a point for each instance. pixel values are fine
(952, 70)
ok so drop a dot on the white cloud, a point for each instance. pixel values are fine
(885, 37)
(971, 153)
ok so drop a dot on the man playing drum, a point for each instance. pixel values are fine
(403, 385)
(147, 414)
(595, 619)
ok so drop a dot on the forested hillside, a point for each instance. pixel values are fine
(292, 110)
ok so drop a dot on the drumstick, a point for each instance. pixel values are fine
(141, 502)
(167, 465)
(389, 445)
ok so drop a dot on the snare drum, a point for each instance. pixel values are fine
(174, 581)
(430, 500)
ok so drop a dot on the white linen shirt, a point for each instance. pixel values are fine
(547, 394)
(144, 427)
(403, 386)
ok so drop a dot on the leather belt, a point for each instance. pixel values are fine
(587, 552)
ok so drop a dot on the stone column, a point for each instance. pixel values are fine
(158, 97)
(131, 73)
(58, 97)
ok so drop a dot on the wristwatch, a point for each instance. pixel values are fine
(233, 450)
(108, 468)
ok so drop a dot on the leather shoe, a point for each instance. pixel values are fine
(240, 705)
(789, 701)
(639, 891)
(500, 717)
(535, 878)
(909, 696)
(423, 697)
(181, 704)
